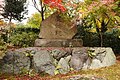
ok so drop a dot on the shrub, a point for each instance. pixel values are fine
(25, 29)
(23, 39)
(110, 39)
(23, 36)
(91, 40)
(3, 47)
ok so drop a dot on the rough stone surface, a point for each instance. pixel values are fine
(58, 43)
(43, 62)
(14, 62)
(58, 54)
(68, 58)
(81, 49)
(64, 66)
(46, 59)
(79, 57)
(81, 60)
(54, 27)
(95, 64)
(104, 58)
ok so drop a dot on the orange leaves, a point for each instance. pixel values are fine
(59, 1)
(55, 4)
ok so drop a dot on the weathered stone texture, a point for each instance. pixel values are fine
(58, 42)
(14, 62)
(54, 27)
(43, 62)
(48, 60)
(105, 57)
(64, 66)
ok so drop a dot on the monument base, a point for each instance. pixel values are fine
(58, 43)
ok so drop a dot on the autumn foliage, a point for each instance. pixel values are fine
(55, 4)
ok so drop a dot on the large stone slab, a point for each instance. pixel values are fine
(55, 27)
(58, 42)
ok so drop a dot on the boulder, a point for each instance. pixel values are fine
(64, 66)
(100, 57)
(43, 62)
(105, 57)
(15, 63)
(56, 27)
(79, 57)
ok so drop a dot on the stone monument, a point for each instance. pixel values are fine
(57, 32)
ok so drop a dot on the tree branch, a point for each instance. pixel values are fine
(107, 22)
(35, 5)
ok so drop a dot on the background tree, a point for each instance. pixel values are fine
(40, 7)
(14, 9)
(34, 21)
(100, 16)
(116, 9)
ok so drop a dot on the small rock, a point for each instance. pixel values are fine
(64, 66)
(58, 54)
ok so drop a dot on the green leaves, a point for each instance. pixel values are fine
(34, 21)
(117, 19)
(116, 7)
(91, 53)
(23, 39)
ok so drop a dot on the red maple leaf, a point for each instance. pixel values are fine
(55, 4)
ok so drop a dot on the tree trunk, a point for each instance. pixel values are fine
(101, 39)
(42, 11)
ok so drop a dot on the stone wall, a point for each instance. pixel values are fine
(56, 60)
